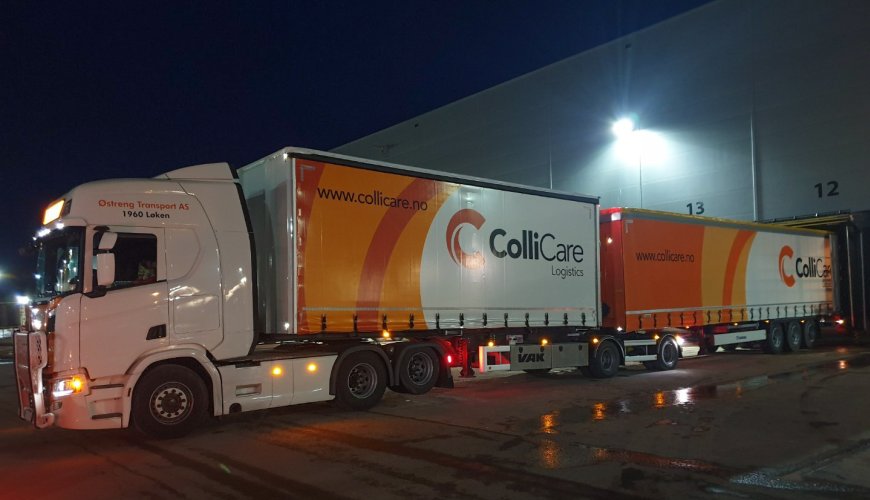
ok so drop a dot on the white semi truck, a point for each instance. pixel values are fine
(307, 276)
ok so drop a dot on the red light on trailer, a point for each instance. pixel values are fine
(449, 359)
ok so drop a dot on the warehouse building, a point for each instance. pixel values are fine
(746, 109)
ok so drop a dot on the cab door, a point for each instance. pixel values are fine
(129, 316)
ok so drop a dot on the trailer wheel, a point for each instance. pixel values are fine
(362, 380)
(667, 356)
(811, 333)
(793, 336)
(775, 338)
(605, 361)
(418, 372)
(169, 401)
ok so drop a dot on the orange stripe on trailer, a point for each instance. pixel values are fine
(735, 269)
(381, 248)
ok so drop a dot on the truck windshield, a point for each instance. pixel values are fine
(58, 265)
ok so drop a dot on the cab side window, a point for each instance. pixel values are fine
(135, 260)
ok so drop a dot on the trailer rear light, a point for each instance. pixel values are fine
(450, 359)
(840, 321)
(277, 371)
(594, 340)
(312, 367)
(656, 337)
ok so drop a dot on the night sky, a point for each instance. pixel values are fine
(100, 89)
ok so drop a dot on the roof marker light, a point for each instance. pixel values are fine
(52, 212)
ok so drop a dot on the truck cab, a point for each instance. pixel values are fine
(131, 273)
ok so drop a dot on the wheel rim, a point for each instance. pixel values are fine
(171, 403)
(777, 337)
(669, 354)
(420, 368)
(362, 380)
(794, 334)
(607, 359)
(811, 334)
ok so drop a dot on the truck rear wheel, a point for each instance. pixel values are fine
(793, 336)
(418, 371)
(775, 338)
(605, 361)
(169, 401)
(811, 333)
(362, 380)
(667, 356)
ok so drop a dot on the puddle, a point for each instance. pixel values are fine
(552, 454)
(688, 396)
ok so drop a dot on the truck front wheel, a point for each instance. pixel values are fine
(169, 401)
(362, 380)
(605, 361)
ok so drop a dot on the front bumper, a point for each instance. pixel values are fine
(31, 358)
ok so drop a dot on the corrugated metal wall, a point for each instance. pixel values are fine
(751, 109)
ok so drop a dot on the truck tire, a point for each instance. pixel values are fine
(793, 336)
(418, 372)
(362, 380)
(605, 361)
(169, 401)
(667, 356)
(775, 338)
(811, 333)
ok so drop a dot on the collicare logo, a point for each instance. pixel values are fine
(786, 278)
(454, 227)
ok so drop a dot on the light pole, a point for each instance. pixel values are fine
(624, 130)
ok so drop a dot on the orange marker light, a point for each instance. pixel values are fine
(76, 384)
(544, 341)
(52, 212)
(277, 371)
(594, 340)
(312, 367)
(385, 334)
(490, 343)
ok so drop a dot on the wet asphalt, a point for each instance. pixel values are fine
(729, 425)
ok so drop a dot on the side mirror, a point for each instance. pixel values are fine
(106, 241)
(105, 269)
(105, 258)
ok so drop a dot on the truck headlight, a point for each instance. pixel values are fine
(65, 386)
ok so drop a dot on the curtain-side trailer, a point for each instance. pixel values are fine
(723, 282)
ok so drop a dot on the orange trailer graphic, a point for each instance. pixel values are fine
(668, 270)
